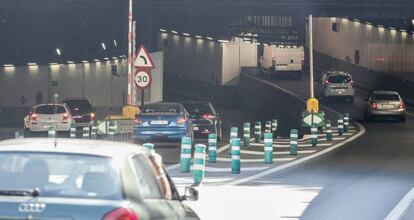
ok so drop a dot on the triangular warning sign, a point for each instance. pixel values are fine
(143, 59)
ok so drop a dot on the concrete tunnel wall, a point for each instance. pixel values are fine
(380, 49)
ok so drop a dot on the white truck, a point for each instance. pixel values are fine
(286, 60)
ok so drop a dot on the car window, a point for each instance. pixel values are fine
(60, 175)
(386, 97)
(198, 109)
(50, 109)
(339, 79)
(148, 185)
(79, 106)
(162, 108)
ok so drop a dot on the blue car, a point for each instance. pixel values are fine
(163, 122)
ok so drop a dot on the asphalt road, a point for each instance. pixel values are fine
(364, 179)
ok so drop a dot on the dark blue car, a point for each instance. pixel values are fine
(163, 122)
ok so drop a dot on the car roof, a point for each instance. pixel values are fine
(337, 72)
(385, 92)
(196, 102)
(72, 146)
(61, 104)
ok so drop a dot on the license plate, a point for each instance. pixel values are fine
(195, 128)
(387, 106)
(159, 122)
(78, 116)
(340, 90)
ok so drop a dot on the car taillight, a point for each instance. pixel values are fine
(121, 214)
(326, 82)
(352, 83)
(92, 115)
(207, 116)
(65, 116)
(33, 117)
(138, 121)
(181, 121)
(402, 105)
(374, 105)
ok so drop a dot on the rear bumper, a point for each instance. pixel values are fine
(333, 93)
(385, 113)
(45, 127)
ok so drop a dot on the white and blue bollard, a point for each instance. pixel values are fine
(329, 136)
(246, 134)
(185, 156)
(212, 148)
(268, 148)
(19, 134)
(94, 132)
(199, 163)
(235, 156)
(274, 128)
(149, 146)
(346, 122)
(51, 132)
(72, 131)
(111, 130)
(85, 132)
(340, 126)
(293, 142)
(314, 136)
(257, 131)
(268, 126)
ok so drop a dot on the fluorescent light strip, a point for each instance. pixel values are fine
(8, 65)
(209, 38)
(163, 30)
(32, 64)
(70, 62)
(174, 32)
(198, 36)
(223, 41)
(85, 61)
(186, 34)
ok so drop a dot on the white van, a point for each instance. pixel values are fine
(286, 60)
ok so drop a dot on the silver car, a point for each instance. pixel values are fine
(384, 104)
(337, 84)
(43, 178)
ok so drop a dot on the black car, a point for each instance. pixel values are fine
(205, 118)
(82, 111)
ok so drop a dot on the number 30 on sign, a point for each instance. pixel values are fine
(142, 79)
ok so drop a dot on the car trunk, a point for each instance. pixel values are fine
(160, 121)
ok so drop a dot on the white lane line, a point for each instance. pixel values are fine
(261, 153)
(228, 169)
(299, 161)
(304, 145)
(338, 138)
(399, 210)
(222, 159)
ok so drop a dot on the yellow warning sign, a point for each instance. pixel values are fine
(312, 105)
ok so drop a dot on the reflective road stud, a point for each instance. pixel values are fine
(72, 131)
(199, 163)
(268, 127)
(235, 156)
(18, 134)
(340, 125)
(346, 122)
(185, 154)
(274, 128)
(149, 146)
(246, 134)
(257, 131)
(293, 142)
(51, 133)
(314, 136)
(268, 148)
(85, 132)
(94, 130)
(328, 130)
(212, 148)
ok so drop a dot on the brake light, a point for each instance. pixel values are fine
(374, 105)
(181, 121)
(352, 83)
(33, 117)
(121, 214)
(402, 105)
(327, 82)
(92, 115)
(207, 116)
(138, 121)
(65, 116)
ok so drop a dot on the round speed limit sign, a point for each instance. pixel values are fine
(142, 79)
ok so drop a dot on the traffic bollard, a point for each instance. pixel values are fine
(257, 131)
(212, 148)
(293, 142)
(340, 125)
(72, 131)
(199, 163)
(19, 134)
(314, 136)
(111, 131)
(185, 154)
(233, 134)
(51, 132)
(274, 128)
(346, 122)
(328, 130)
(94, 132)
(268, 127)
(149, 146)
(268, 148)
(246, 134)
(235, 156)
(85, 132)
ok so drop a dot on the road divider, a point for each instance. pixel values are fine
(235, 156)
(328, 130)
(185, 156)
(212, 148)
(268, 148)
(257, 131)
(274, 128)
(199, 163)
(314, 136)
(293, 142)
(246, 134)
(340, 125)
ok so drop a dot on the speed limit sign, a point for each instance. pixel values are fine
(142, 79)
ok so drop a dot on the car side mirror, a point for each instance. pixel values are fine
(190, 194)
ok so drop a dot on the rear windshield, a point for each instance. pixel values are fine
(386, 97)
(162, 108)
(339, 79)
(50, 109)
(198, 109)
(79, 106)
(60, 175)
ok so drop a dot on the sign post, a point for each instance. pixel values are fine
(143, 65)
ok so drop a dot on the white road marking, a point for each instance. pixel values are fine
(399, 210)
(255, 160)
(252, 152)
(299, 161)
(228, 169)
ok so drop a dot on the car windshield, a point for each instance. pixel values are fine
(50, 109)
(339, 79)
(161, 108)
(386, 97)
(198, 108)
(60, 175)
(79, 106)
